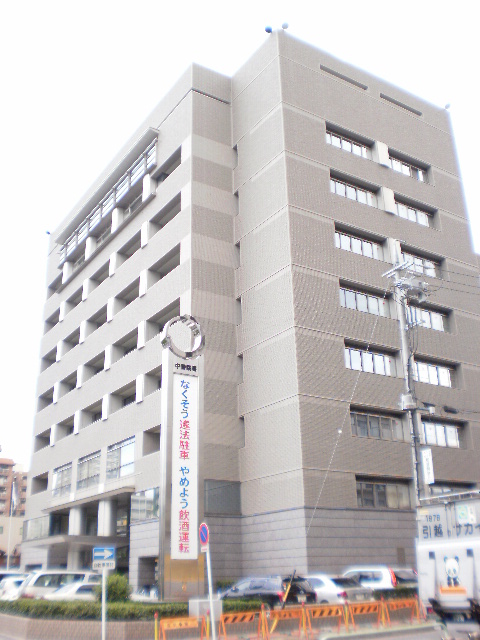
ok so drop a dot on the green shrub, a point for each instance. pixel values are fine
(118, 589)
(232, 606)
(92, 610)
(223, 584)
(398, 592)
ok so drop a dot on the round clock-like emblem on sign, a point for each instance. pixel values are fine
(198, 338)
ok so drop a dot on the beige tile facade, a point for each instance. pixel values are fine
(241, 234)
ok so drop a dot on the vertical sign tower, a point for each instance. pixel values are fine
(181, 421)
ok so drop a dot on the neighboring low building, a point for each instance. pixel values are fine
(11, 475)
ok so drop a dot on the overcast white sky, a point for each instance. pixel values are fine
(78, 78)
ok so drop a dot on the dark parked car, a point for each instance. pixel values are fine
(271, 590)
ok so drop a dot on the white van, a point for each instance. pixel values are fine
(449, 575)
(41, 583)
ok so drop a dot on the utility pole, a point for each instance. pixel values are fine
(408, 287)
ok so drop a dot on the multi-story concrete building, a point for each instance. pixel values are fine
(10, 474)
(267, 205)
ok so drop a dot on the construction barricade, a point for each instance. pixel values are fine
(320, 616)
(247, 623)
(285, 621)
(178, 625)
(370, 612)
(396, 609)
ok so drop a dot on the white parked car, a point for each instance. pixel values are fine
(75, 591)
(338, 589)
(379, 576)
(41, 583)
(10, 586)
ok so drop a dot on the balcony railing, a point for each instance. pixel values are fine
(144, 163)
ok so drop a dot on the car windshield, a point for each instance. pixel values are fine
(346, 582)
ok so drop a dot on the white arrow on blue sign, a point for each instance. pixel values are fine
(103, 553)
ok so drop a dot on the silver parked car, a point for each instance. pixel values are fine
(338, 589)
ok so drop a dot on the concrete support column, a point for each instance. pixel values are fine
(65, 307)
(84, 373)
(146, 331)
(76, 527)
(110, 404)
(147, 279)
(114, 305)
(147, 231)
(86, 328)
(380, 153)
(80, 420)
(112, 354)
(145, 385)
(67, 271)
(90, 246)
(117, 218)
(53, 434)
(76, 521)
(107, 517)
(388, 200)
(116, 259)
(88, 286)
(63, 347)
(149, 188)
(59, 390)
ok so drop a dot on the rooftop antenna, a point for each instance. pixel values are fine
(269, 29)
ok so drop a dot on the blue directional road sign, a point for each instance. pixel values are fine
(103, 558)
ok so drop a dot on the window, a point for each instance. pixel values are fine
(439, 375)
(369, 361)
(442, 488)
(383, 495)
(88, 470)
(440, 434)
(363, 247)
(352, 192)
(144, 505)
(382, 427)
(413, 214)
(365, 302)
(426, 318)
(408, 169)
(422, 265)
(347, 144)
(120, 459)
(62, 480)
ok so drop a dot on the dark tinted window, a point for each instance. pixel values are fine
(405, 575)
(345, 582)
(316, 582)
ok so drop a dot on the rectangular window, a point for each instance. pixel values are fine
(425, 318)
(422, 265)
(368, 361)
(408, 169)
(365, 302)
(366, 248)
(144, 505)
(380, 427)
(121, 459)
(348, 144)
(383, 495)
(62, 480)
(439, 375)
(440, 434)
(412, 213)
(351, 191)
(88, 470)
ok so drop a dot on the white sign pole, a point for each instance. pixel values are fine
(104, 603)
(210, 593)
